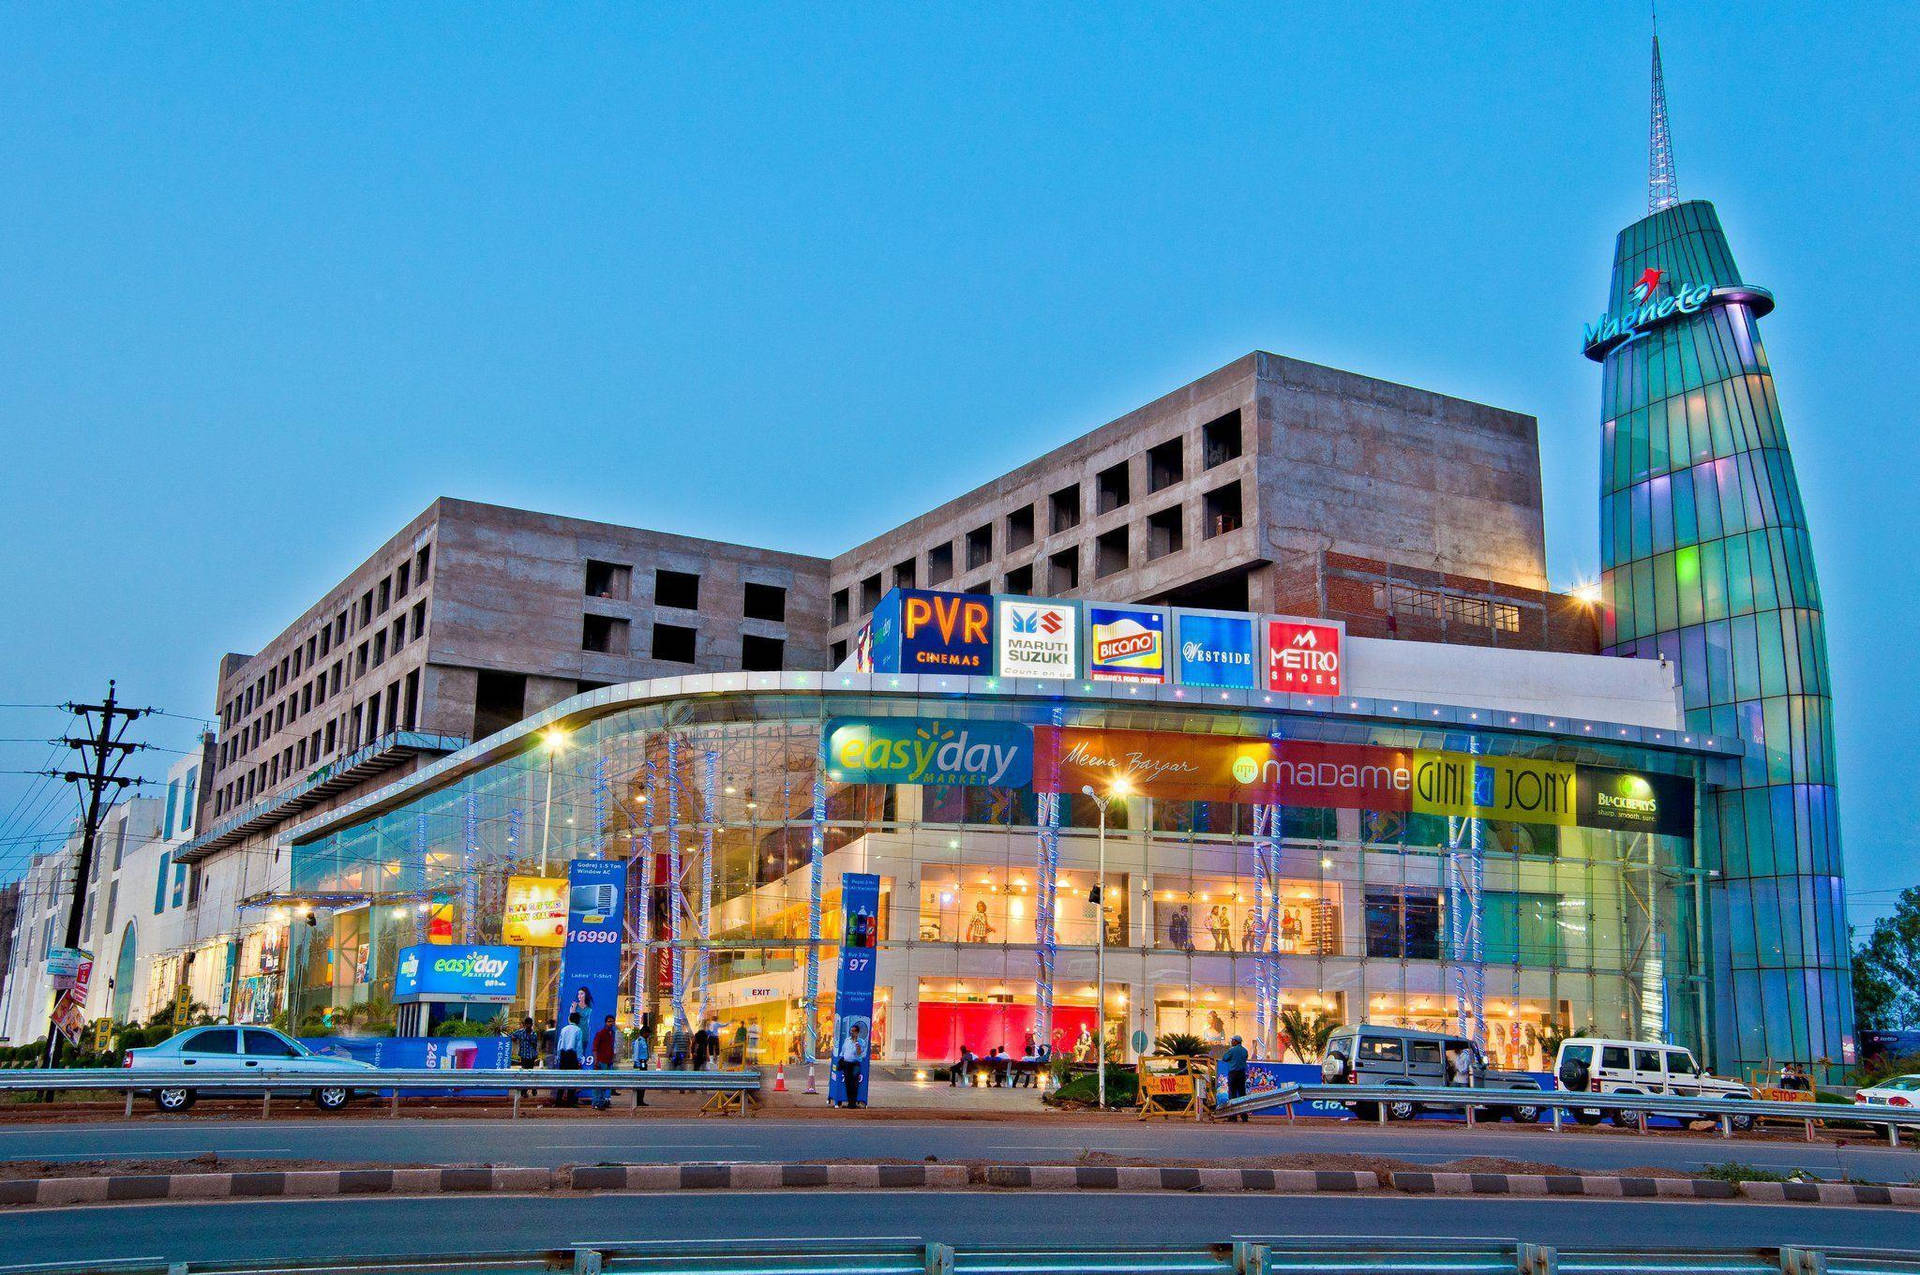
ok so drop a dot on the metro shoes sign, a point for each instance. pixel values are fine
(1304, 656)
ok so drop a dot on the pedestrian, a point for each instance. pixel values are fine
(571, 1047)
(697, 1050)
(1234, 1063)
(852, 1050)
(523, 1046)
(606, 1049)
(962, 1071)
(677, 1047)
(642, 1055)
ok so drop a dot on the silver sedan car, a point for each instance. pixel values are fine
(283, 1065)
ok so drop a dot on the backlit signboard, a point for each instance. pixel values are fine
(1126, 644)
(446, 972)
(1035, 637)
(536, 912)
(1215, 650)
(1304, 656)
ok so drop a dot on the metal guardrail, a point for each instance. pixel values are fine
(1558, 1102)
(905, 1256)
(738, 1087)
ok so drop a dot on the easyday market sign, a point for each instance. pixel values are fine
(1036, 638)
(929, 750)
(438, 972)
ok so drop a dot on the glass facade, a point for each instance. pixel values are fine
(1706, 562)
(1217, 916)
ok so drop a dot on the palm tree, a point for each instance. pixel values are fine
(1179, 1045)
(1306, 1034)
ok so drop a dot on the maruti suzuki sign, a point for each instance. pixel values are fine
(1036, 638)
(1304, 656)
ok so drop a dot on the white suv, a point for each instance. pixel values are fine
(1587, 1064)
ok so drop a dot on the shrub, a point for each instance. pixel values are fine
(1180, 1045)
(1123, 1089)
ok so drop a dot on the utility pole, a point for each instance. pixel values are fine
(102, 750)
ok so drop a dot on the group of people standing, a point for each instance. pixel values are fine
(566, 1047)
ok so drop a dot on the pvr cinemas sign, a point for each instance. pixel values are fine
(945, 632)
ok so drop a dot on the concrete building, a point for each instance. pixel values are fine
(1246, 490)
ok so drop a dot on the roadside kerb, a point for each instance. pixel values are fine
(651, 1178)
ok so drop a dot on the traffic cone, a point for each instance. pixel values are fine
(779, 1078)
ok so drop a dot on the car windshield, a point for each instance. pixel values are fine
(1900, 1082)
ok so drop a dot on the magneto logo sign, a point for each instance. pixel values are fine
(945, 632)
(1303, 656)
(924, 750)
(1654, 299)
(1036, 639)
(1128, 644)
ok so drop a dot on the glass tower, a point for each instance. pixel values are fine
(1706, 562)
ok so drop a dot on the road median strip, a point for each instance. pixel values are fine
(584, 1179)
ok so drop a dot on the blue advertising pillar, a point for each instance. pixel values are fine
(853, 994)
(590, 962)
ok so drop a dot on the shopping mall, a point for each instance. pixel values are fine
(1390, 830)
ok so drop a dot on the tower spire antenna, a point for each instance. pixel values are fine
(1663, 188)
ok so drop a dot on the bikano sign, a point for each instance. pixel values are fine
(1126, 644)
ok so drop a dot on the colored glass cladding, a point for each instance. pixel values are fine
(1706, 562)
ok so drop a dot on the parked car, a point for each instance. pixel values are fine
(283, 1064)
(1894, 1091)
(1589, 1064)
(1370, 1055)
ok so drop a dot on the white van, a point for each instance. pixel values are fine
(1589, 1064)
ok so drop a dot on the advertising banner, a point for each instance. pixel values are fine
(853, 993)
(536, 912)
(929, 750)
(1036, 638)
(1634, 801)
(1214, 650)
(1304, 656)
(1126, 644)
(70, 1011)
(63, 966)
(942, 633)
(1464, 786)
(596, 924)
(443, 972)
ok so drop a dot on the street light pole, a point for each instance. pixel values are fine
(551, 742)
(1119, 788)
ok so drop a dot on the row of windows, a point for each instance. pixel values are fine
(1449, 609)
(1757, 571)
(371, 654)
(375, 600)
(1163, 532)
(356, 726)
(676, 643)
(1717, 498)
(680, 590)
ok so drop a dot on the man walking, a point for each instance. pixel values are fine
(642, 1055)
(1233, 1062)
(606, 1048)
(523, 1047)
(570, 1046)
(852, 1051)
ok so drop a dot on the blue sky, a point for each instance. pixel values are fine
(277, 276)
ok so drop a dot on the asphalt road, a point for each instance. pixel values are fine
(617, 1137)
(356, 1227)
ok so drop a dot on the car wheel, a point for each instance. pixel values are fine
(1401, 1110)
(1741, 1124)
(173, 1100)
(1524, 1114)
(332, 1098)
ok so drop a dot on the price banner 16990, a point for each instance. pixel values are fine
(590, 961)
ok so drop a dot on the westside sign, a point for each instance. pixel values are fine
(1303, 656)
(1036, 638)
(925, 750)
(1214, 650)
